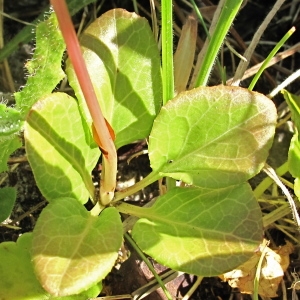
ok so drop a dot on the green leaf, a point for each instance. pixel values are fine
(7, 200)
(10, 120)
(11, 123)
(124, 64)
(213, 136)
(18, 281)
(201, 232)
(72, 250)
(60, 149)
(293, 102)
(17, 277)
(8, 145)
(44, 69)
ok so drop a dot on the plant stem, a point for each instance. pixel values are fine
(152, 177)
(108, 176)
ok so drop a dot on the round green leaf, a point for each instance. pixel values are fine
(60, 148)
(200, 231)
(213, 136)
(73, 250)
(124, 65)
(17, 277)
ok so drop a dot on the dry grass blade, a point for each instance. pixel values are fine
(277, 58)
(249, 52)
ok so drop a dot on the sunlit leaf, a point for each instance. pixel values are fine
(73, 250)
(124, 64)
(199, 231)
(213, 136)
(60, 149)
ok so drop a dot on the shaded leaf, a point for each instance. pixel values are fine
(60, 149)
(199, 231)
(213, 136)
(17, 277)
(8, 145)
(7, 200)
(124, 65)
(293, 102)
(73, 250)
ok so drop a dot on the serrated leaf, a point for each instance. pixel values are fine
(60, 149)
(7, 200)
(8, 145)
(213, 136)
(44, 69)
(72, 250)
(124, 65)
(18, 281)
(202, 232)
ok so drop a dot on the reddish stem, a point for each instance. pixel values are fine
(108, 149)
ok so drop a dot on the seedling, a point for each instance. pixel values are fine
(211, 139)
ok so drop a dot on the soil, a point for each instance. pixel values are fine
(132, 273)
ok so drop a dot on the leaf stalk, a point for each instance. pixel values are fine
(108, 176)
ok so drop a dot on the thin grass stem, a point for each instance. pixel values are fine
(149, 265)
(270, 56)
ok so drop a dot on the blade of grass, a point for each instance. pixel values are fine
(149, 265)
(270, 56)
(167, 50)
(167, 59)
(228, 12)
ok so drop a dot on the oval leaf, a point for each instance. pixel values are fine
(201, 232)
(73, 250)
(8, 197)
(18, 280)
(60, 149)
(213, 136)
(124, 65)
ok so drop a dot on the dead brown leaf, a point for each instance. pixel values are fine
(273, 267)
